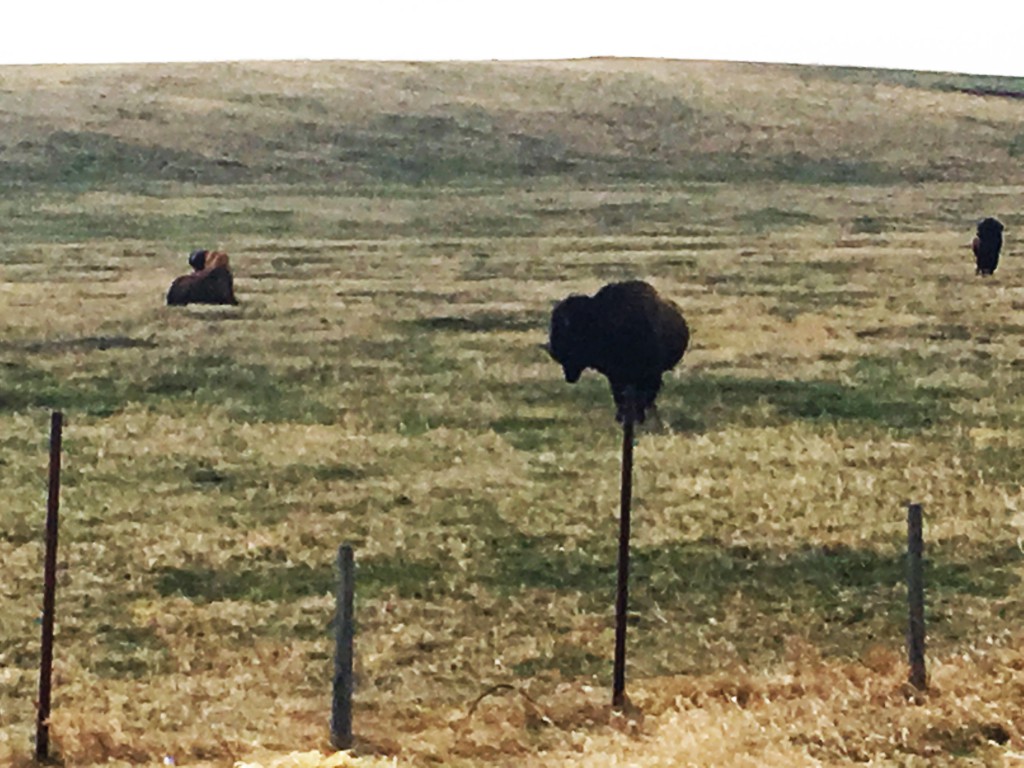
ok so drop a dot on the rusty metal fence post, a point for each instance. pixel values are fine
(915, 596)
(49, 591)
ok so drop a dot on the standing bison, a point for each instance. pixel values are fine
(627, 332)
(211, 281)
(986, 246)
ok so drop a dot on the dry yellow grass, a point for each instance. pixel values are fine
(399, 234)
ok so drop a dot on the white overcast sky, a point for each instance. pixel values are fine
(975, 37)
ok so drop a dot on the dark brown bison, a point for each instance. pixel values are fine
(627, 332)
(210, 283)
(986, 246)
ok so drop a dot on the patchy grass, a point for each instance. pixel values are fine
(399, 235)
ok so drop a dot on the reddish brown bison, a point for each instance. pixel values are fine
(627, 332)
(211, 281)
(986, 246)
(200, 260)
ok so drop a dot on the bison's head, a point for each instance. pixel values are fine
(989, 229)
(197, 260)
(570, 338)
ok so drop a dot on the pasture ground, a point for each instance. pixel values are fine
(399, 235)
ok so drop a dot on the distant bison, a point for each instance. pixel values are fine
(211, 281)
(627, 332)
(986, 246)
(200, 260)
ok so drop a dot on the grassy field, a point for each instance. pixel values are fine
(399, 234)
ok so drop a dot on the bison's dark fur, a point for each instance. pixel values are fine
(986, 246)
(207, 286)
(627, 332)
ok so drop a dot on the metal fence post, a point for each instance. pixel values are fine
(344, 634)
(49, 591)
(915, 596)
(622, 589)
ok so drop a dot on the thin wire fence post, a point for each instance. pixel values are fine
(622, 588)
(49, 591)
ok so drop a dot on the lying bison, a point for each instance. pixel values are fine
(200, 260)
(211, 281)
(986, 246)
(627, 332)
